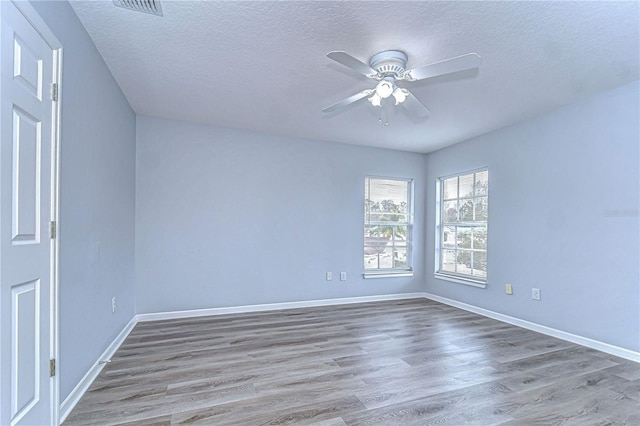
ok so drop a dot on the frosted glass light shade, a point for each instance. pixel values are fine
(375, 99)
(384, 89)
(400, 95)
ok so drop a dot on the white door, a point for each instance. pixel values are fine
(28, 66)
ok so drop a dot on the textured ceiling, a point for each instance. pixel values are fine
(262, 65)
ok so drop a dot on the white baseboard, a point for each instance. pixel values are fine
(573, 338)
(157, 316)
(86, 381)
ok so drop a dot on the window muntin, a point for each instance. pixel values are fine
(463, 214)
(388, 218)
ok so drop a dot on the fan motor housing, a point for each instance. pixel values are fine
(389, 62)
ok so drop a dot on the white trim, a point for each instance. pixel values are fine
(157, 316)
(55, 213)
(72, 399)
(573, 338)
(369, 275)
(459, 280)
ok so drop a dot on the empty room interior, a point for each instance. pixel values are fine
(319, 212)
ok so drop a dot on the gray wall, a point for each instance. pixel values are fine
(563, 217)
(96, 200)
(228, 218)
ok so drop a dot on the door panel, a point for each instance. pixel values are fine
(27, 68)
(25, 329)
(26, 252)
(26, 178)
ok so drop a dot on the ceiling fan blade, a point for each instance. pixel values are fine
(349, 61)
(448, 66)
(414, 105)
(351, 99)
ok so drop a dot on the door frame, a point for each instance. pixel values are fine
(52, 41)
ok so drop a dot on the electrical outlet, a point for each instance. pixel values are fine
(535, 293)
(113, 304)
(329, 276)
(508, 289)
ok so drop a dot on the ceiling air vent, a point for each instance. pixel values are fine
(147, 6)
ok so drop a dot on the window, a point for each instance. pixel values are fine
(462, 227)
(388, 216)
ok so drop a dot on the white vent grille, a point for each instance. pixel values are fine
(147, 6)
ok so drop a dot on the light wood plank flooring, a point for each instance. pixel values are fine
(386, 363)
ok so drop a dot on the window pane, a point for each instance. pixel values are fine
(385, 231)
(466, 186)
(374, 244)
(370, 260)
(450, 211)
(368, 204)
(480, 238)
(480, 264)
(375, 231)
(463, 261)
(448, 261)
(396, 205)
(374, 217)
(466, 210)
(482, 183)
(449, 237)
(400, 257)
(450, 188)
(386, 259)
(464, 237)
(401, 233)
(388, 194)
(388, 217)
(481, 209)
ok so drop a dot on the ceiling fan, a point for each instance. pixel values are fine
(389, 67)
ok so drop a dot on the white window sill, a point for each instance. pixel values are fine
(368, 275)
(460, 280)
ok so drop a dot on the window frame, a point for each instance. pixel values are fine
(398, 271)
(461, 278)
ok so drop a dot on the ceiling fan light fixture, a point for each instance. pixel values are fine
(389, 66)
(400, 95)
(375, 99)
(384, 89)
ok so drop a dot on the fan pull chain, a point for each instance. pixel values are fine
(386, 119)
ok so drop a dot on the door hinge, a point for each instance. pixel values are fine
(52, 367)
(52, 229)
(54, 92)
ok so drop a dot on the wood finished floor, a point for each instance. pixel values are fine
(385, 363)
